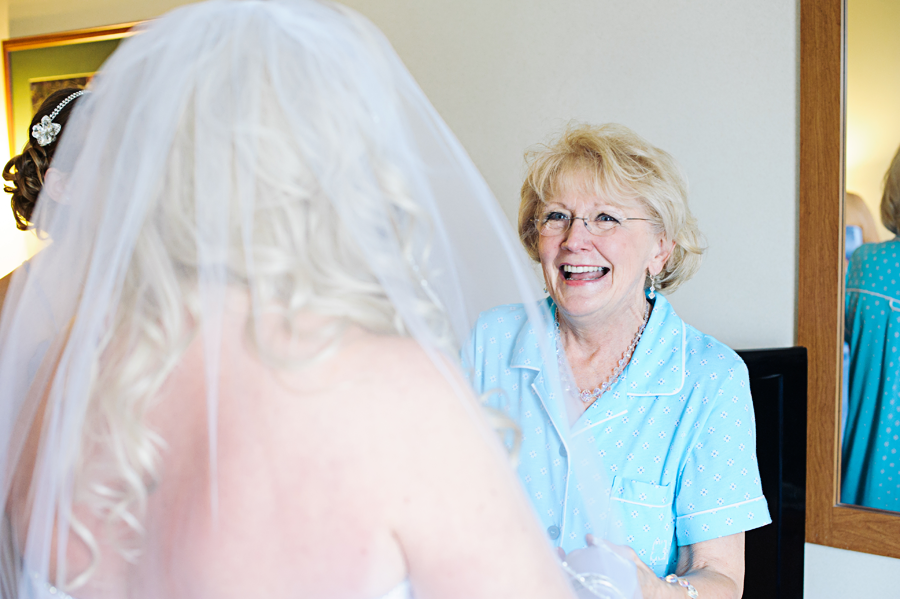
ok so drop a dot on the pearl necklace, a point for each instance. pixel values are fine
(586, 395)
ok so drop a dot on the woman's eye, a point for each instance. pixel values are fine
(556, 216)
(605, 218)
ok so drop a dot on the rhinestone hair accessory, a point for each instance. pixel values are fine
(46, 132)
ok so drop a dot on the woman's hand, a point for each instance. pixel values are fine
(715, 568)
(599, 569)
(652, 587)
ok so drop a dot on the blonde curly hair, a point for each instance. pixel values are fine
(613, 161)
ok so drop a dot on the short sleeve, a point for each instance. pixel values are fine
(719, 492)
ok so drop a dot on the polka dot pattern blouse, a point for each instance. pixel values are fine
(871, 448)
(675, 436)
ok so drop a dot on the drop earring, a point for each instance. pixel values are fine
(652, 294)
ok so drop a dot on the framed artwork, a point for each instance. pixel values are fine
(37, 66)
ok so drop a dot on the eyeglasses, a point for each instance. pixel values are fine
(554, 223)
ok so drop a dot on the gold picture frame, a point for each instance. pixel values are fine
(36, 66)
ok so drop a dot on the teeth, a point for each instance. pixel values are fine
(577, 269)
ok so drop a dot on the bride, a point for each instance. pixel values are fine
(263, 263)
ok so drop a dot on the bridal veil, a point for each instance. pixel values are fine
(276, 147)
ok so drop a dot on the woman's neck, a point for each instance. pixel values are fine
(589, 335)
(598, 349)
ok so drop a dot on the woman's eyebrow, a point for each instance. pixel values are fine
(600, 207)
(605, 207)
(610, 207)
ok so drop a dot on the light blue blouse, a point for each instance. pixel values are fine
(676, 435)
(871, 463)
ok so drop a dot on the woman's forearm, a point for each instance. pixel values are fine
(715, 567)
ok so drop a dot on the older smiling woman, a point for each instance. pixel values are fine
(667, 408)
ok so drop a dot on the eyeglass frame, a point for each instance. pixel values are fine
(538, 224)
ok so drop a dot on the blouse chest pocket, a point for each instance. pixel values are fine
(643, 519)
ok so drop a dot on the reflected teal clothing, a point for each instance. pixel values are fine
(871, 462)
(675, 436)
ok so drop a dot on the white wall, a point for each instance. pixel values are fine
(713, 82)
(837, 574)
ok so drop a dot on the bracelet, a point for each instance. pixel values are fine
(682, 582)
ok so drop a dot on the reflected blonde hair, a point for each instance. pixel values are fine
(613, 162)
(890, 199)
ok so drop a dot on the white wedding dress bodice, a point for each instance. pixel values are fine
(401, 591)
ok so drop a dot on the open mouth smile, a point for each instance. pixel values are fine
(583, 273)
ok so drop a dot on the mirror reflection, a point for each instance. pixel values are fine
(870, 415)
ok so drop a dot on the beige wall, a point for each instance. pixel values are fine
(873, 97)
(33, 17)
(714, 83)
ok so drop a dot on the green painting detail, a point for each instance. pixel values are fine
(36, 73)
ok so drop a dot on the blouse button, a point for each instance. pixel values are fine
(563, 452)
(553, 532)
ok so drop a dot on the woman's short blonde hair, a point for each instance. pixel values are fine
(890, 200)
(614, 162)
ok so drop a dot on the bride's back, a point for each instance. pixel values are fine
(313, 464)
(342, 477)
(338, 478)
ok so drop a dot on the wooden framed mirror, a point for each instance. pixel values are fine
(820, 284)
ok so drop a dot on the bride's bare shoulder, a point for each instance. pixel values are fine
(390, 353)
(398, 366)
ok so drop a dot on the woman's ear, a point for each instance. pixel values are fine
(55, 182)
(664, 249)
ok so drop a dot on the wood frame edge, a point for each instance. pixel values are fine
(820, 284)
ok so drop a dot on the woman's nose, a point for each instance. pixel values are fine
(577, 237)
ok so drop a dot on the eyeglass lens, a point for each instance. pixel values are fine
(556, 223)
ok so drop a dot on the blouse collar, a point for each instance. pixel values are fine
(657, 366)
